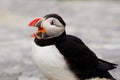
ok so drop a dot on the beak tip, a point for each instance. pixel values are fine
(33, 22)
(30, 24)
(33, 35)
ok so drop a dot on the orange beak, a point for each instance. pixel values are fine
(37, 23)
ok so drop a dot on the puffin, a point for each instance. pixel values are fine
(60, 56)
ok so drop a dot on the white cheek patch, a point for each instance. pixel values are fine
(57, 23)
(53, 30)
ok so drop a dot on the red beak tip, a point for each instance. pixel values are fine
(33, 22)
(33, 35)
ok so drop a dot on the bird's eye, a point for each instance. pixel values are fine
(52, 23)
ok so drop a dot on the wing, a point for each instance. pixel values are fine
(77, 53)
(104, 65)
(82, 61)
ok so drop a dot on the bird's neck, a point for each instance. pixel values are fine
(52, 41)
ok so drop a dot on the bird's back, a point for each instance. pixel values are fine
(82, 61)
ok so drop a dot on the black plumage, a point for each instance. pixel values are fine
(80, 59)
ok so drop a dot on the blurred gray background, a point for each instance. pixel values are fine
(97, 23)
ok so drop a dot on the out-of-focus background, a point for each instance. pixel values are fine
(97, 23)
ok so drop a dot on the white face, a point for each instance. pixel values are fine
(53, 27)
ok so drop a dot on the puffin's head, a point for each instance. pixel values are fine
(50, 26)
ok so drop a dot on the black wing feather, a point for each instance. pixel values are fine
(104, 65)
(82, 61)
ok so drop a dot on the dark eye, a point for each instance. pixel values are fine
(52, 23)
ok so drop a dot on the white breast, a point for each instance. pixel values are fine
(51, 63)
(98, 79)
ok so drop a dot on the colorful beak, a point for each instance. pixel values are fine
(41, 30)
(36, 22)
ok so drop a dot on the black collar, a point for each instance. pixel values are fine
(52, 41)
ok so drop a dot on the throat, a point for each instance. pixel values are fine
(52, 41)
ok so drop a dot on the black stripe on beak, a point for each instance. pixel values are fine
(39, 24)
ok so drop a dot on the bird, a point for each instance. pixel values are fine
(60, 56)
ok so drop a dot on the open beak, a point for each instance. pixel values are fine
(41, 30)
